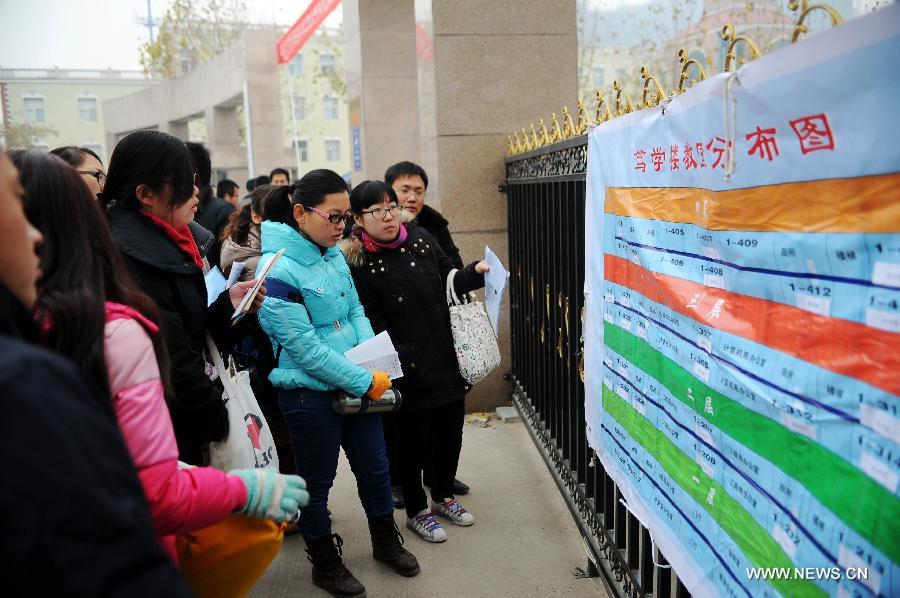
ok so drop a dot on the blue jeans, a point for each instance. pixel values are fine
(317, 433)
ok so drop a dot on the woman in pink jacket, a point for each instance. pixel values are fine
(92, 312)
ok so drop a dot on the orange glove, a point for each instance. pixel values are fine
(380, 383)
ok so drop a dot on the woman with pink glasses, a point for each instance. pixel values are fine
(312, 315)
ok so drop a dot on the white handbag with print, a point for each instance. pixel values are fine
(249, 444)
(477, 351)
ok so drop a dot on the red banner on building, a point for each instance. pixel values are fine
(297, 36)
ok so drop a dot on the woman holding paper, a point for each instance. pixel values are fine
(313, 316)
(151, 199)
(241, 237)
(400, 272)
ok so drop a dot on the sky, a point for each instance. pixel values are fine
(100, 34)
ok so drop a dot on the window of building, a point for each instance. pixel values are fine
(295, 66)
(87, 108)
(34, 110)
(330, 108)
(327, 63)
(299, 107)
(598, 76)
(620, 76)
(332, 150)
(303, 148)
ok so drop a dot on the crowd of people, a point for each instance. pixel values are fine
(104, 322)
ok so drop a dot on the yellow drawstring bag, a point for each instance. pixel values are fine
(227, 559)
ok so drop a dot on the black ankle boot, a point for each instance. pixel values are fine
(329, 572)
(387, 546)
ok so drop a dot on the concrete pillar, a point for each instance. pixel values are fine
(265, 103)
(493, 67)
(222, 127)
(382, 95)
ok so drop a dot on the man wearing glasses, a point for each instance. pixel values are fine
(409, 181)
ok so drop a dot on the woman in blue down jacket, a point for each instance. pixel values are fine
(312, 315)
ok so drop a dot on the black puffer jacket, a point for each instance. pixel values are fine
(76, 522)
(403, 292)
(177, 287)
(438, 226)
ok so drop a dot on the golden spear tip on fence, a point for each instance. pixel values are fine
(658, 96)
(627, 106)
(602, 115)
(584, 119)
(568, 124)
(686, 62)
(535, 140)
(556, 132)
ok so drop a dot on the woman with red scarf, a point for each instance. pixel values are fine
(400, 273)
(151, 200)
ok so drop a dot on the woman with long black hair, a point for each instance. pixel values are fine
(313, 316)
(151, 200)
(90, 311)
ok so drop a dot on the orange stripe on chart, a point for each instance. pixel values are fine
(858, 205)
(844, 347)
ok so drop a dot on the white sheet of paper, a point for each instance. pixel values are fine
(215, 284)
(377, 354)
(237, 268)
(495, 283)
(251, 294)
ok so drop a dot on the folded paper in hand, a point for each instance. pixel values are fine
(377, 355)
(495, 282)
(247, 301)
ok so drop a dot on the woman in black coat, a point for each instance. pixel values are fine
(151, 200)
(400, 273)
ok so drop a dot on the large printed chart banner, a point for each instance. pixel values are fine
(743, 319)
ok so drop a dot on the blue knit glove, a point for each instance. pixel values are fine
(271, 495)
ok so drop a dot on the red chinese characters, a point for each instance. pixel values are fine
(689, 161)
(639, 163)
(764, 143)
(717, 146)
(658, 155)
(814, 133)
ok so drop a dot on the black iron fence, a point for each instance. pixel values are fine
(546, 196)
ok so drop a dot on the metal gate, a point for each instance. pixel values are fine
(546, 197)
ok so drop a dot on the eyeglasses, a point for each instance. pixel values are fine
(417, 193)
(97, 174)
(335, 219)
(381, 213)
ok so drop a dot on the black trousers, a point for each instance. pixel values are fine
(432, 437)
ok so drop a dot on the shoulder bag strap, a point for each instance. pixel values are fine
(224, 374)
(452, 297)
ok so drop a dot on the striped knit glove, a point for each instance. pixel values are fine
(271, 495)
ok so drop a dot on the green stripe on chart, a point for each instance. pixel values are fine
(754, 541)
(858, 500)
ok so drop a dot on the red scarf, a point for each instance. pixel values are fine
(374, 246)
(182, 237)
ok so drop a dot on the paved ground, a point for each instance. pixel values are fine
(524, 543)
